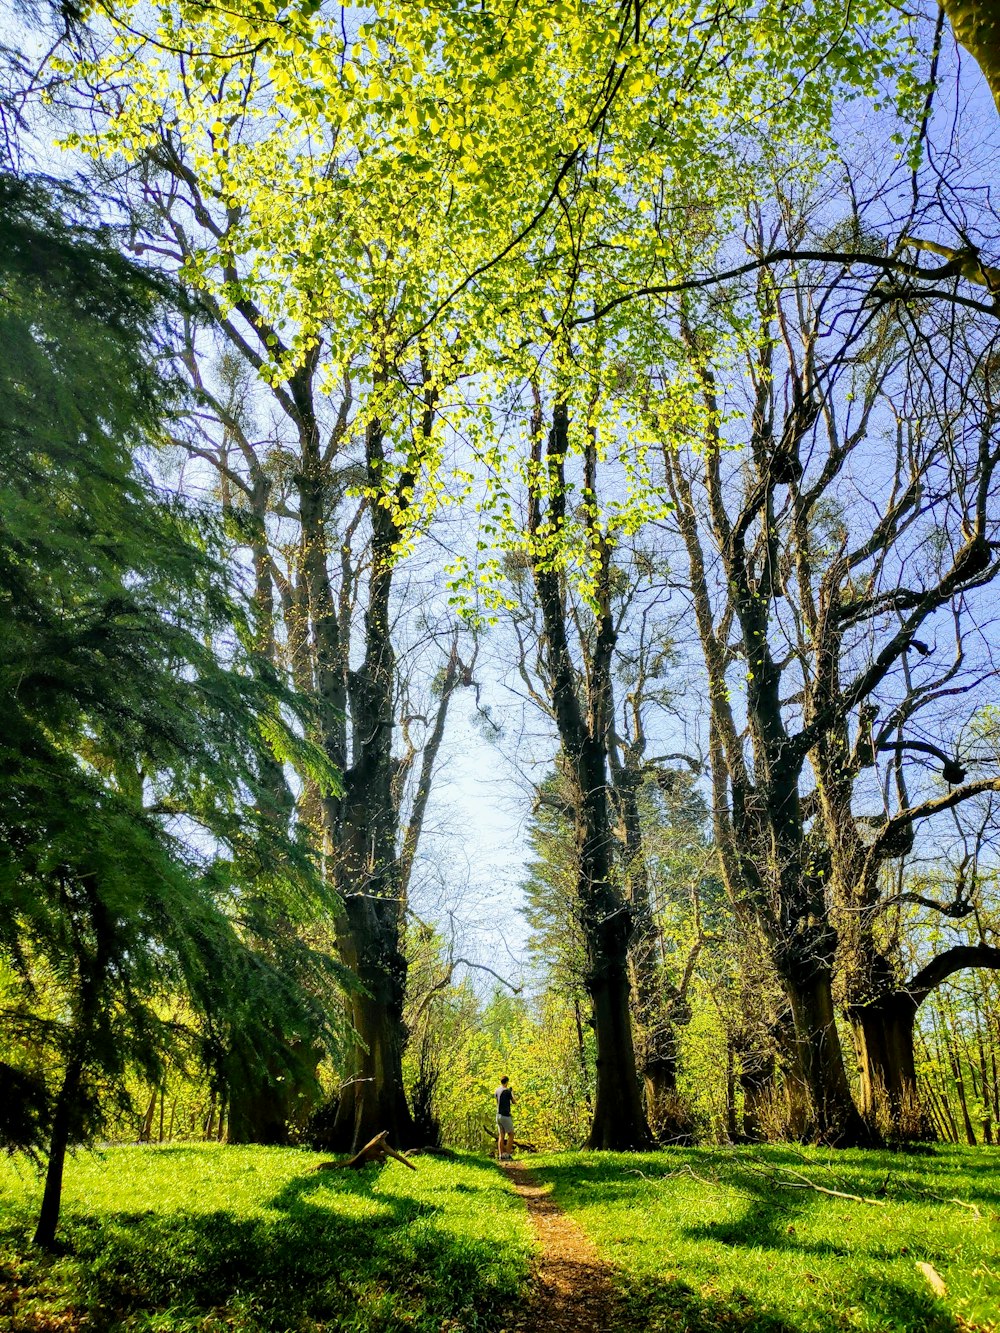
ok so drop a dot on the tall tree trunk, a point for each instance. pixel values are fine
(884, 1039)
(976, 24)
(767, 866)
(835, 1117)
(369, 874)
(62, 1118)
(655, 1002)
(884, 1043)
(372, 1097)
(584, 726)
(619, 1121)
(619, 1124)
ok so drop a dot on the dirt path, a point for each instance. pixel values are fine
(571, 1287)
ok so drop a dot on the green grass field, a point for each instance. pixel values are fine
(213, 1238)
(704, 1240)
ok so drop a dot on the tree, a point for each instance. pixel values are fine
(580, 704)
(974, 23)
(609, 135)
(818, 619)
(142, 854)
(301, 484)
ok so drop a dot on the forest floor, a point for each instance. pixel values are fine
(687, 1240)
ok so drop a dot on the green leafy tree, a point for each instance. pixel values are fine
(143, 853)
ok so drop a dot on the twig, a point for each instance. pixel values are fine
(943, 1198)
(673, 1175)
(802, 1182)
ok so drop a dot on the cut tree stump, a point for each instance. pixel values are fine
(375, 1151)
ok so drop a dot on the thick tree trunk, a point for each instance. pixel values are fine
(372, 1097)
(619, 1121)
(883, 1028)
(619, 1124)
(62, 1118)
(654, 1001)
(605, 918)
(369, 873)
(883, 1040)
(976, 24)
(835, 1117)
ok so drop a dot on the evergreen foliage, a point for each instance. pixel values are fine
(144, 857)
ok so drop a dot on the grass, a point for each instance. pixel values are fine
(213, 1238)
(704, 1240)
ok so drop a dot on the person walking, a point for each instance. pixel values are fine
(505, 1121)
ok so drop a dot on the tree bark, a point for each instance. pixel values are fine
(884, 1043)
(836, 1118)
(767, 868)
(62, 1119)
(372, 1097)
(370, 927)
(884, 1040)
(655, 1036)
(976, 25)
(619, 1122)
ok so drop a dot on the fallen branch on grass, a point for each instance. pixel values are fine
(944, 1198)
(802, 1182)
(673, 1175)
(377, 1150)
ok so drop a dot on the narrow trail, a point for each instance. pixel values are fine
(571, 1285)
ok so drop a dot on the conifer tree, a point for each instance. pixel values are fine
(142, 853)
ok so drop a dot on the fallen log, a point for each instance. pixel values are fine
(377, 1150)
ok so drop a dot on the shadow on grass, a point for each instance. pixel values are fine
(669, 1305)
(330, 1250)
(658, 1303)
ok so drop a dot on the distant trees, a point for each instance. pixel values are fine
(143, 856)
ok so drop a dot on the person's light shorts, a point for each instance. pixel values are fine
(506, 1123)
